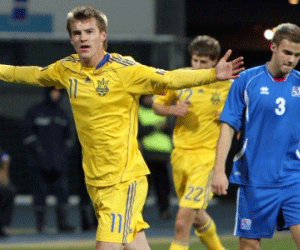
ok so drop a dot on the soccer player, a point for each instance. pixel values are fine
(264, 105)
(195, 138)
(104, 91)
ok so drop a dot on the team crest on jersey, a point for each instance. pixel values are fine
(102, 88)
(215, 99)
(296, 91)
(246, 224)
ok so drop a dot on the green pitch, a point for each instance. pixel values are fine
(279, 242)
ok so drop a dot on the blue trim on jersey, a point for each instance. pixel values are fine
(267, 114)
(104, 60)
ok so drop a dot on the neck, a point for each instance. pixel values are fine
(92, 62)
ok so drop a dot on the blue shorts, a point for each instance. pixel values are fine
(261, 209)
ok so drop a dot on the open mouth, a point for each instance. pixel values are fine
(84, 47)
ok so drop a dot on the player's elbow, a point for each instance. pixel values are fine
(156, 109)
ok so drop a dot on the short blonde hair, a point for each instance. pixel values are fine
(87, 12)
(286, 31)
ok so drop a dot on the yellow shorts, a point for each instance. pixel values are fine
(118, 210)
(192, 173)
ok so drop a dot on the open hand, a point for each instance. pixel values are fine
(229, 70)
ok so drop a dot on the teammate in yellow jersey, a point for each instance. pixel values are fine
(104, 91)
(195, 137)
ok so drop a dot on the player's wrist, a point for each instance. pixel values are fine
(219, 169)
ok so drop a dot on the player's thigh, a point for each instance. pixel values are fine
(119, 210)
(139, 243)
(108, 246)
(185, 218)
(257, 211)
(290, 208)
(192, 178)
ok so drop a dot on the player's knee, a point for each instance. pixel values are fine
(197, 224)
(249, 244)
(201, 219)
(180, 226)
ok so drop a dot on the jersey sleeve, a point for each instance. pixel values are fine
(165, 99)
(182, 78)
(235, 104)
(141, 79)
(32, 75)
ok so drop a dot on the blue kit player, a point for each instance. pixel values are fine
(264, 106)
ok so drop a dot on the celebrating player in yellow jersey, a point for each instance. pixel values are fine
(104, 91)
(195, 137)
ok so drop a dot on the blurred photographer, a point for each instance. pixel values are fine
(47, 136)
(7, 193)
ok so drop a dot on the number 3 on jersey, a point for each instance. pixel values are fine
(280, 110)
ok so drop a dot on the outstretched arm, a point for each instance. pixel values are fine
(32, 75)
(179, 109)
(229, 70)
(219, 183)
(224, 70)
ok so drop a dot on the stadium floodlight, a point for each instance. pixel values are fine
(293, 1)
(268, 34)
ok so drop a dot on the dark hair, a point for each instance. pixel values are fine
(205, 46)
(87, 12)
(286, 31)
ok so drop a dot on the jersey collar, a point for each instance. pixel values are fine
(104, 60)
(276, 79)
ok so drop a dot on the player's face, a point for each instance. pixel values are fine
(285, 57)
(88, 41)
(202, 62)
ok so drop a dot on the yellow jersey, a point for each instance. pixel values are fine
(199, 127)
(105, 104)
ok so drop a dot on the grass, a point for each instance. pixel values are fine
(279, 241)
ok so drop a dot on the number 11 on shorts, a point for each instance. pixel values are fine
(113, 222)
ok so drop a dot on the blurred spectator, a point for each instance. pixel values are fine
(7, 193)
(47, 135)
(156, 146)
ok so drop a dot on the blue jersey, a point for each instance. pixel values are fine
(267, 113)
